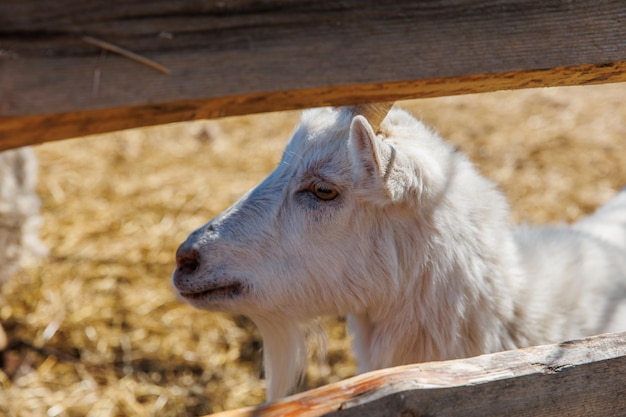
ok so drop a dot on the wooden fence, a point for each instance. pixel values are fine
(59, 77)
(70, 68)
(576, 379)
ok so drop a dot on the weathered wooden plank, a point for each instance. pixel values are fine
(579, 378)
(27, 130)
(245, 56)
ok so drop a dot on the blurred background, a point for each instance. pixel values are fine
(95, 329)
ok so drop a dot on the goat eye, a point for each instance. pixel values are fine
(324, 192)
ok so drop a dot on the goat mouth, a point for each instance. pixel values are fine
(228, 291)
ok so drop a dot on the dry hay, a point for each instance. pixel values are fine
(96, 329)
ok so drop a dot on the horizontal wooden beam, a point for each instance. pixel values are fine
(582, 378)
(219, 58)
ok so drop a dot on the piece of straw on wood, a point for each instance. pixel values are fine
(126, 53)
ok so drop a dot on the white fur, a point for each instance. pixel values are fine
(19, 210)
(19, 214)
(416, 249)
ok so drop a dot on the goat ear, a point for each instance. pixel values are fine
(371, 157)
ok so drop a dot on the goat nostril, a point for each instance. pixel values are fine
(189, 262)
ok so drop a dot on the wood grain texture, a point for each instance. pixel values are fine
(247, 56)
(579, 378)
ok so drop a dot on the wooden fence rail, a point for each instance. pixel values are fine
(583, 378)
(219, 58)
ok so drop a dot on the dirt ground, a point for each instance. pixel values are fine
(96, 330)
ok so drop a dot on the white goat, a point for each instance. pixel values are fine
(19, 214)
(384, 222)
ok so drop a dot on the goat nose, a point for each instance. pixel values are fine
(187, 259)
